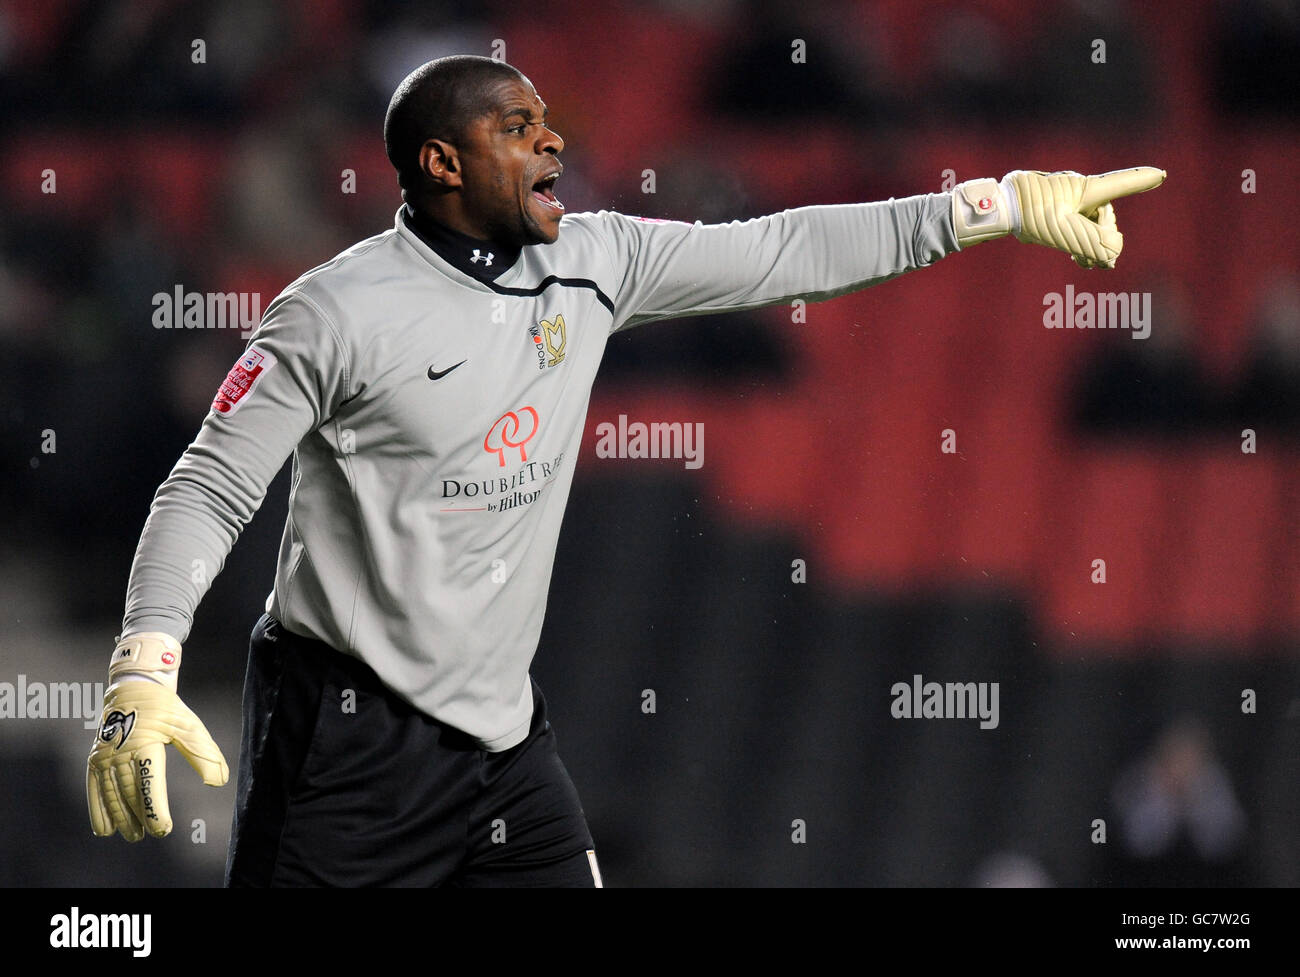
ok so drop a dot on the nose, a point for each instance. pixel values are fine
(549, 141)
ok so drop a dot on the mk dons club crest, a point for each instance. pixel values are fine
(549, 339)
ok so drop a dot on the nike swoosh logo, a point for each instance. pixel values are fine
(438, 375)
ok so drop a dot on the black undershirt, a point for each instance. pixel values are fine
(478, 259)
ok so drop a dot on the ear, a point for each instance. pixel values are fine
(440, 163)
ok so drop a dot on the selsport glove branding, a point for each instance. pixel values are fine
(117, 722)
(144, 777)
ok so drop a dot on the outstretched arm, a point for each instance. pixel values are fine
(665, 269)
(669, 268)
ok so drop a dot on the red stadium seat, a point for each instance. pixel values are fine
(1111, 506)
(1229, 544)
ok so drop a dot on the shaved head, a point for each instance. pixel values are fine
(438, 100)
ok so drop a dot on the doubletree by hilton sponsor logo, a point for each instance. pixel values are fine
(511, 431)
(522, 487)
(507, 439)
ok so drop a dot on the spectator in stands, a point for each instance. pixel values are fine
(1180, 823)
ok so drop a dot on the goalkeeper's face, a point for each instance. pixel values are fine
(509, 165)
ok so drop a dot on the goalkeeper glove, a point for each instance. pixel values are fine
(1067, 211)
(126, 777)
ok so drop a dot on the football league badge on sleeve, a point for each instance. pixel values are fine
(241, 379)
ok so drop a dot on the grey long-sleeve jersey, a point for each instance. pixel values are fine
(434, 421)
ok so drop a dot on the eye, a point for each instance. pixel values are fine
(517, 128)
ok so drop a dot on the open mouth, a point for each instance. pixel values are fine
(544, 191)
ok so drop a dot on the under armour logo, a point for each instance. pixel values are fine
(485, 258)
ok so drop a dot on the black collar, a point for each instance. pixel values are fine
(478, 259)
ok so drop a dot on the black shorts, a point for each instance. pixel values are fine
(341, 783)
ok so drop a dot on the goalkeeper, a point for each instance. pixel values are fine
(431, 386)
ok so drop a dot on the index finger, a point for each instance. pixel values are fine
(1105, 187)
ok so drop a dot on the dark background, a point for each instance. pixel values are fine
(1119, 701)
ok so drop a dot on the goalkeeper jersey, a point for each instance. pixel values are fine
(434, 412)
